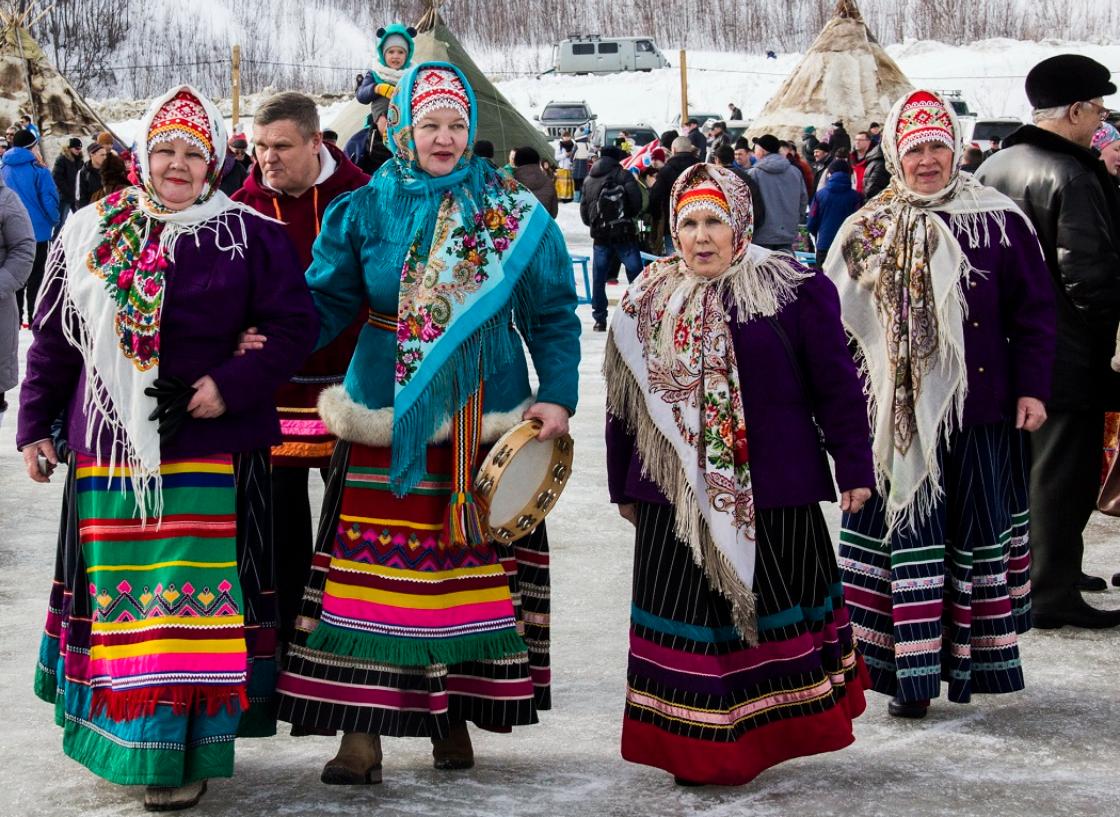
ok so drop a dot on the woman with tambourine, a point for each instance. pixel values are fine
(410, 626)
(728, 378)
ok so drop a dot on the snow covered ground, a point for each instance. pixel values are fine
(1049, 751)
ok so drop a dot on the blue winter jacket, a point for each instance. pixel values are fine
(36, 189)
(833, 203)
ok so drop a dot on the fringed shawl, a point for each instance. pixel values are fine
(899, 269)
(672, 377)
(472, 236)
(114, 254)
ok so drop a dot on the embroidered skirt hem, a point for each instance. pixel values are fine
(700, 702)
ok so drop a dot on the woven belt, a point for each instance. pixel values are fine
(382, 320)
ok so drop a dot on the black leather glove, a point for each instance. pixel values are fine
(172, 397)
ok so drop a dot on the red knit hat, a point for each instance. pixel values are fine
(924, 118)
(702, 194)
(437, 88)
(182, 117)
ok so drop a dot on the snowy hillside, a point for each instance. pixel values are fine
(990, 74)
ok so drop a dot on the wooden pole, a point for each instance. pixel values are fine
(684, 88)
(236, 89)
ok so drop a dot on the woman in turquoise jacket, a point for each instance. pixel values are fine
(414, 623)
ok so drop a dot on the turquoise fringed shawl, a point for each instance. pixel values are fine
(472, 234)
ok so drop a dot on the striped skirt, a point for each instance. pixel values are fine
(703, 705)
(400, 634)
(160, 642)
(948, 600)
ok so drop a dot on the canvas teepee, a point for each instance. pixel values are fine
(845, 76)
(30, 84)
(498, 120)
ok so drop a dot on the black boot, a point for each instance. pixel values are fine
(915, 710)
(1091, 584)
(1074, 613)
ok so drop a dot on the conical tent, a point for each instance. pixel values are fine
(845, 76)
(30, 84)
(498, 120)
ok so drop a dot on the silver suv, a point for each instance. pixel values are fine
(557, 117)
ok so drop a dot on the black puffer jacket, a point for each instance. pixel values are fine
(875, 175)
(1068, 196)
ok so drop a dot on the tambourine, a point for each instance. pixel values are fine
(521, 479)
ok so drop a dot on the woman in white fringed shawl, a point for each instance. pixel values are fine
(945, 294)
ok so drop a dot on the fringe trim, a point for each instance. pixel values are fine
(488, 351)
(907, 513)
(134, 704)
(758, 286)
(102, 418)
(626, 400)
(415, 652)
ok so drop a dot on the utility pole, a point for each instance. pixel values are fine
(684, 88)
(236, 89)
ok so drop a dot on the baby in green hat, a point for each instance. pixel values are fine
(376, 86)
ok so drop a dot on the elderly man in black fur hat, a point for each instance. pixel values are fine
(1051, 172)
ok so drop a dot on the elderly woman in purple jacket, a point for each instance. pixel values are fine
(945, 294)
(729, 383)
(160, 642)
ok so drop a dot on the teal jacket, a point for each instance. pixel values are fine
(355, 264)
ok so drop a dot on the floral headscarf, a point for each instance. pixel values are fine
(672, 375)
(471, 234)
(1106, 134)
(114, 255)
(898, 267)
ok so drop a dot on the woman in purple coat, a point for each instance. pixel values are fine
(160, 641)
(729, 379)
(945, 294)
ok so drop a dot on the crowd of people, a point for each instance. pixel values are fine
(942, 369)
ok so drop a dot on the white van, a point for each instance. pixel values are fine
(606, 55)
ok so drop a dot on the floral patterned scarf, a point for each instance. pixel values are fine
(899, 269)
(471, 234)
(113, 256)
(672, 375)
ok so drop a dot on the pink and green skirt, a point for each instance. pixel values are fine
(159, 646)
(402, 633)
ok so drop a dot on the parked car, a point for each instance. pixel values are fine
(960, 105)
(558, 116)
(593, 54)
(982, 131)
(640, 134)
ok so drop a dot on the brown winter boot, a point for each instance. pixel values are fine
(453, 751)
(174, 798)
(357, 763)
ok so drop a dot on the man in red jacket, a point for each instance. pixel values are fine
(295, 176)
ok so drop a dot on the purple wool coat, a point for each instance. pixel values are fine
(1010, 329)
(784, 406)
(209, 299)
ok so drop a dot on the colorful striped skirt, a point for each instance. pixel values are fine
(401, 634)
(948, 600)
(702, 704)
(160, 642)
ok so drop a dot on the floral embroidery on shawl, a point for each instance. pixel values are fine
(132, 265)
